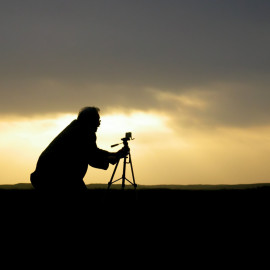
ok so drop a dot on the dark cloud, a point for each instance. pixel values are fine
(57, 56)
(238, 105)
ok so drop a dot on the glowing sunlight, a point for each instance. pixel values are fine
(22, 140)
(160, 154)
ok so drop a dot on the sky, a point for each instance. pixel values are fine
(189, 78)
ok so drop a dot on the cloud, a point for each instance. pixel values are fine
(224, 104)
(218, 104)
(203, 63)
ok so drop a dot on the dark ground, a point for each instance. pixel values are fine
(143, 202)
(149, 227)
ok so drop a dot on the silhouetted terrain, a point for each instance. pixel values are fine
(170, 197)
(163, 213)
(175, 187)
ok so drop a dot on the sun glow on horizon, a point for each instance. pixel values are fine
(160, 154)
(23, 140)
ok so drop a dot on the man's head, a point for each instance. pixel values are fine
(89, 116)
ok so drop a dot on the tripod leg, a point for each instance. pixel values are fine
(124, 172)
(130, 161)
(110, 182)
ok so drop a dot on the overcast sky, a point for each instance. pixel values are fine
(202, 61)
(189, 78)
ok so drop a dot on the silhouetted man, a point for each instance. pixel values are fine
(63, 164)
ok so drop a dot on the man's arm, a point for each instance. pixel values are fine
(100, 158)
(114, 157)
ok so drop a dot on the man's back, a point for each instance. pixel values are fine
(65, 161)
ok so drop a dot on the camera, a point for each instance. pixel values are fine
(128, 136)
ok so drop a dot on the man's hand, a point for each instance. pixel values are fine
(123, 152)
(114, 157)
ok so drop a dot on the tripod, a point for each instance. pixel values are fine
(125, 162)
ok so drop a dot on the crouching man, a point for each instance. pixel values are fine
(64, 163)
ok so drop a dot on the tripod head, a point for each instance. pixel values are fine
(125, 139)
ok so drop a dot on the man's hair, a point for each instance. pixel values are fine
(88, 114)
